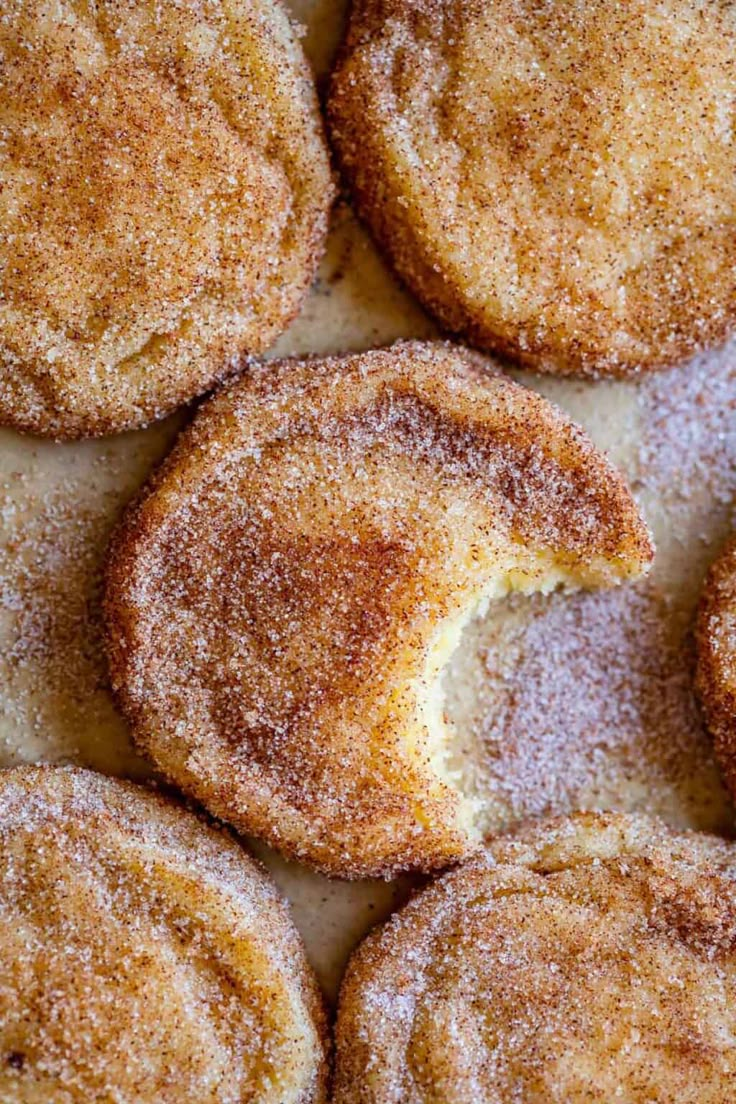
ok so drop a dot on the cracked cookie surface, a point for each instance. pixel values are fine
(144, 956)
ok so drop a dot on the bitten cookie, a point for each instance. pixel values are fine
(283, 598)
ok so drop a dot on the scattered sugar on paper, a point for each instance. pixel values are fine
(587, 699)
(57, 506)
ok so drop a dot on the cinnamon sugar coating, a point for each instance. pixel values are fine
(166, 190)
(144, 957)
(556, 182)
(283, 598)
(716, 670)
(583, 960)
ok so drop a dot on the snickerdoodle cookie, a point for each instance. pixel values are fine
(557, 181)
(144, 957)
(584, 960)
(716, 670)
(165, 194)
(284, 596)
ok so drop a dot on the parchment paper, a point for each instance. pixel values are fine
(59, 501)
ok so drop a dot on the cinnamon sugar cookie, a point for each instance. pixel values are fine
(716, 671)
(556, 182)
(144, 957)
(283, 598)
(165, 193)
(585, 959)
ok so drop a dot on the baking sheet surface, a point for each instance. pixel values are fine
(558, 703)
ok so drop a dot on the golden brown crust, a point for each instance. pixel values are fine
(555, 183)
(166, 194)
(583, 959)
(144, 956)
(716, 670)
(278, 601)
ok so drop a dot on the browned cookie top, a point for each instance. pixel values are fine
(283, 597)
(165, 191)
(144, 957)
(555, 181)
(584, 961)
